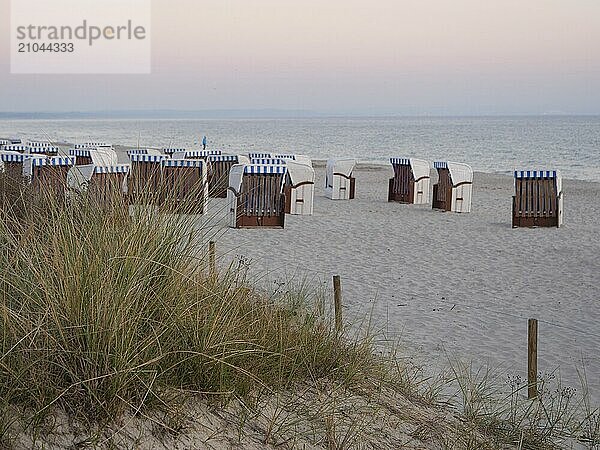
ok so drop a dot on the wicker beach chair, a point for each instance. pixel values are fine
(194, 154)
(184, 185)
(454, 189)
(538, 199)
(145, 177)
(48, 174)
(411, 181)
(218, 173)
(255, 196)
(104, 183)
(339, 182)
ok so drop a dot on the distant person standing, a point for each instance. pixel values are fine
(204, 143)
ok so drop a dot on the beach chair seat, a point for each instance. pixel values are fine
(454, 189)
(256, 196)
(184, 185)
(538, 199)
(411, 181)
(339, 182)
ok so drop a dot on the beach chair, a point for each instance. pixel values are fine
(42, 148)
(411, 181)
(13, 163)
(48, 174)
(4, 142)
(454, 189)
(255, 196)
(339, 182)
(97, 156)
(145, 177)
(18, 148)
(170, 150)
(299, 187)
(103, 183)
(538, 199)
(195, 154)
(218, 173)
(184, 185)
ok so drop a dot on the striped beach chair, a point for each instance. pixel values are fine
(538, 199)
(19, 148)
(454, 189)
(268, 161)
(48, 174)
(339, 182)
(105, 184)
(145, 177)
(184, 185)
(98, 156)
(218, 173)
(4, 142)
(13, 163)
(170, 150)
(255, 196)
(411, 181)
(84, 145)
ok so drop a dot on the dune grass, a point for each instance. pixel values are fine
(108, 310)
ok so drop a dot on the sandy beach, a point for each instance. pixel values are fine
(448, 285)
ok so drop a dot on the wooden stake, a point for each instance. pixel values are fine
(211, 258)
(532, 358)
(337, 297)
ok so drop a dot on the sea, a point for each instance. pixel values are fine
(570, 144)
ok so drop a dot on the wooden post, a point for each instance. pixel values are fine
(337, 297)
(211, 258)
(532, 358)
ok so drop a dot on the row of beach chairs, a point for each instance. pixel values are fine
(538, 199)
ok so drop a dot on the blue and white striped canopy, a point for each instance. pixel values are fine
(257, 169)
(223, 158)
(86, 152)
(14, 157)
(286, 156)
(122, 168)
(440, 164)
(37, 144)
(16, 147)
(171, 150)
(147, 158)
(54, 161)
(400, 161)
(535, 173)
(44, 149)
(182, 163)
(259, 155)
(268, 161)
(137, 151)
(92, 145)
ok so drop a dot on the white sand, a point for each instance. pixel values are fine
(446, 283)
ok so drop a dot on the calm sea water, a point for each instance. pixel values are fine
(489, 144)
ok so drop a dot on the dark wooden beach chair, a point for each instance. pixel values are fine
(145, 178)
(256, 196)
(218, 174)
(453, 191)
(538, 199)
(184, 185)
(411, 181)
(49, 175)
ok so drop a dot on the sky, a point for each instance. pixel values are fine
(405, 57)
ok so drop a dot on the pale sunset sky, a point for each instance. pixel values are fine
(344, 56)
